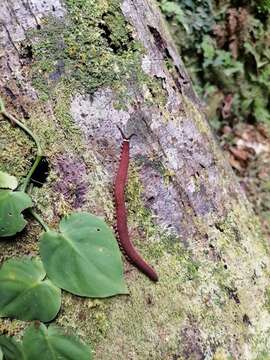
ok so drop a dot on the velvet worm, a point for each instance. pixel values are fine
(121, 227)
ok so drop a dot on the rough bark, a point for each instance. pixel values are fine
(187, 212)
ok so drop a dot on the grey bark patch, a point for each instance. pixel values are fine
(150, 30)
(97, 116)
(16, 18)
(191, 343)
(156, 194)
(71, 180)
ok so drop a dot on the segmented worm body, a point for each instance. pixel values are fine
(124, 241)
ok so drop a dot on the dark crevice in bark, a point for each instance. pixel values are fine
(26, 52)
(219, 227)
(246, 320)
(9, 93)
(232, 293)
(159, 41)
(24, 112)
(41, 173)
(161, 44)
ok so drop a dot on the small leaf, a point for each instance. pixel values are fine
(11, 349)
(24, 294)
(42, 343)
(12, 203)
(208, 48)
(7, 181)
(83, 258)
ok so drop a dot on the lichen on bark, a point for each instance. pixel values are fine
(95, 64)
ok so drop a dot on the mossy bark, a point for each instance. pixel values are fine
(72, 71)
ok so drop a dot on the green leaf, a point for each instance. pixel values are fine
(1, 354)
(12, 203)
(236, 67)
(24, 294)
(7, 181)
(11, 349)
(208, 48)
(42, 343)
(170, 8)
(261, 114)
(83, 258)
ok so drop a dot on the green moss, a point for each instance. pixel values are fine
(92, 47)
(61, 100)
(136, 206)
(16, 151)
(93, 313)
(267, 299)
(11, 327)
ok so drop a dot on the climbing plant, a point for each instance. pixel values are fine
(82, 257)
(40, 342)
(85, 249)
(25, 294)
(225, 47)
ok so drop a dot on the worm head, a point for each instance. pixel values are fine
(127, 138)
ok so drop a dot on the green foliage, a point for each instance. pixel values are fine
(219, 59)
(226, 50)
(40, 342)
(171, 8)
(83, 258)
(193, 17)
(264, 6)
(12, 350)
(7, 181)
(25, 294)
(12, 203)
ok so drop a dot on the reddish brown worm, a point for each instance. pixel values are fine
(124, 241)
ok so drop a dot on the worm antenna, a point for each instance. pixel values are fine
(123, 134)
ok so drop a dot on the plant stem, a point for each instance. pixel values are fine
(30, 173)
(39, 219)
(12, 119)
(22, 126)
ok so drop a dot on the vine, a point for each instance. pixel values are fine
(96, 268)
(12, 119)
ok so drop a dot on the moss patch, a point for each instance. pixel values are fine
(92, 47)
(16, 151)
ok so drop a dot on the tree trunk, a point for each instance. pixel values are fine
(73, 71)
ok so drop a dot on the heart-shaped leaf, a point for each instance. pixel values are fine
(24, 294)
(7, 181)
(40, 342)
(11, 349)
(12, 203)
(83, 258)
